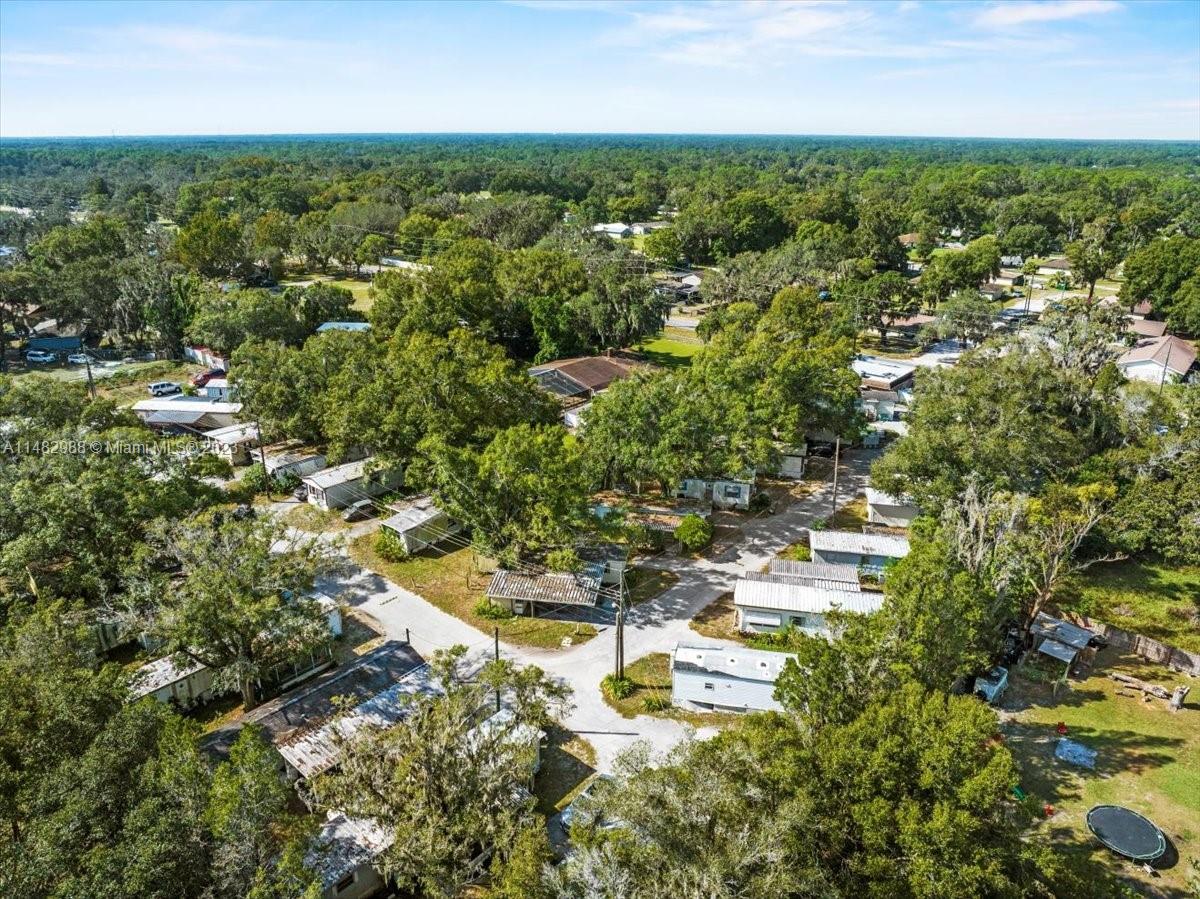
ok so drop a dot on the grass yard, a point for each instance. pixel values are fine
(651, 678)
(1149, 760)
(850, 517)
(360, 287)
(128, 385)
(455, 582)
(718, 620)
(568, 763)
(797, 552)
(314, 520)
(669, 352)
(647, 583)
(1154, 600)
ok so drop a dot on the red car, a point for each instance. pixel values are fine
(205, 376)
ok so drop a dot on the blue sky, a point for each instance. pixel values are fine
(1060, 68)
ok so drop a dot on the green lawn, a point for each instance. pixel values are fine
(669, 352)
(1149, 760)
(455, 582)
(360, 287)
(647, 583)
(651, 677)
(850, 517)
(1154, 600)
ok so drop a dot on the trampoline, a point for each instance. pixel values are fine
(1126, 832)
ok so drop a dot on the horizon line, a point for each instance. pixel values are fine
(563, 134)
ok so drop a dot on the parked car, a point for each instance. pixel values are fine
(164, 388)
(79, 358)
(359, 511)
(40, 357)
(204, 377)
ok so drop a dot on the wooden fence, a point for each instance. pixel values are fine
(1153, 650)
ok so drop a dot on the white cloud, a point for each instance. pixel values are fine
(908, 6)
(1015, 14)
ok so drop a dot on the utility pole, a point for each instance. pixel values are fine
(496, 656)
(1163, 378)
(91, 383)
(837, 452)
(619, 666)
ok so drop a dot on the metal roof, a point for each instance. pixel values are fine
(343, 326)
(1060, 651)
(313, 751)
(824, 571)
(1062, 631)
(343, 844)
(887, 545)
(338, 474)
(785, 597)
(566, 588)
(557, 383)
(879, 498)
(776, 577)
(736, 661)
(180, 401)
(412, 514)
(161, 673)
(233, 434)
(171, 417)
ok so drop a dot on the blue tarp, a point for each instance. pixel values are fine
(55, 344)
(1075, 753)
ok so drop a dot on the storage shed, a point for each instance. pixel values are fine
(418, 523)
(183, 685)
(888, 510)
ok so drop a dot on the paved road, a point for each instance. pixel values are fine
(654, 626)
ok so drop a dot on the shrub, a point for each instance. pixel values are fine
(761, 501)
(485, 608)
(616, 687)
(389, 546)
(658, 701)
(694, 532)
(209, 466)
(256, 479)
(563, 560)
(287, 482)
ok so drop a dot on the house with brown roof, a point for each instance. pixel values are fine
(1158, 359)
(583, 376)
(1144, 327)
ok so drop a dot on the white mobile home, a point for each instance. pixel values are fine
(723, 493)
(233, 444)
(338, 487)
(298, 463)
(343, 855)
(419, 523)
(890, 511)
(869, 552)
(818, 573)
(767, 603)
(185, 686)
(725, 678)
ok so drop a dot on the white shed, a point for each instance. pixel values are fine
(419, 523)
(185, 685)
(723, 493)
(888, 510)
